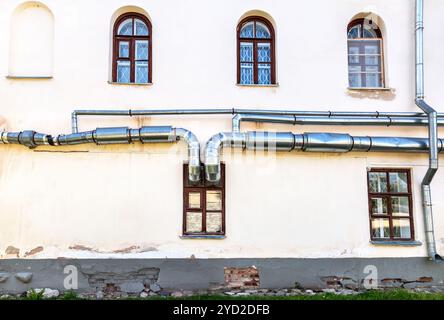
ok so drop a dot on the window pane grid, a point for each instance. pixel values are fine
(365, 63)
(255, 52)
(132, 44)
(212, 208)
(390, 212)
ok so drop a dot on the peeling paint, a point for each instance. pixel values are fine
(34, 251)
(127, 250)
(10, 250)
(80, 247)
(386, 94)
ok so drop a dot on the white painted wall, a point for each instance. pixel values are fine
(31, 41)
(115, 197)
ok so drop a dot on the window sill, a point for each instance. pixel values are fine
(370, 89)
(397, 243)
(29, 77)
(131, 84)
(258, 85)
(203, 237)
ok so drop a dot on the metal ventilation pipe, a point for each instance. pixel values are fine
(433, 135)
(308, 142)
(332, 120)
(114, 135)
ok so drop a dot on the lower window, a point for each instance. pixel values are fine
(390, 205)
(204, 206)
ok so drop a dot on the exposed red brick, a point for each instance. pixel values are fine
(242, 277)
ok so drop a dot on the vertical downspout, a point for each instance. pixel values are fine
(433, 135)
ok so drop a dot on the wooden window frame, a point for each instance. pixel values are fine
(388, 195)
(255, 42)
(381, 49)
(202, 187)
(132, 40)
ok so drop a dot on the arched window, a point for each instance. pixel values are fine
(255, 51)
(365, 55)
(132, 49)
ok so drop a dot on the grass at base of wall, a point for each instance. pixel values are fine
(369, 295)
(398, 294)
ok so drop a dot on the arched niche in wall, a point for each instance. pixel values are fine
(31, 41)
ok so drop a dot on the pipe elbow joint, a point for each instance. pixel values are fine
(212, 158)
(194, 168)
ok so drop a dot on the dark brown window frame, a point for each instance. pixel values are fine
(255, 42)
(202, 187)
(379, 38)
(132, 39)
(388, 195)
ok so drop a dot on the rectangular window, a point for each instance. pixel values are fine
(203, 206)
(390, 205)
(365, 68)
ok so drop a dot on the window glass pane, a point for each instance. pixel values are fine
(246, 52)
(262, 31)
(353, 48)
(214, 222)
(379, 206)
(373, 61)
(354, 59)
(355, 80)
(401, 228)
(264, 52)
(373, 80)
(194, 200)
(123, 71)
(126, 28)
(264, 74)
(247, 30)
(400, 206)
(140, 28)
(370, 30)
(380, 228)
(214, 200)
(355, 32)
(398, 182)
(246, 76)
(194, 222)
(371, 47)
(141, 50)
(123, 49)
(141, 72)
(378, 182)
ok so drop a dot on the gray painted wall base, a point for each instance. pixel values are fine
(132, 275)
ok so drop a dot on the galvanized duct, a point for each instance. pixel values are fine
(308, 142)
(331, 120)
(303, 117)
(114, 135)
(433, 135)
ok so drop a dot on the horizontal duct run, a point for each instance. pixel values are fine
(280, 116)
(114, 135)
(308, 142)
(332, 120)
